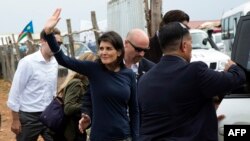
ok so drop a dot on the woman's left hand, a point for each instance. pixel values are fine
(84, 122)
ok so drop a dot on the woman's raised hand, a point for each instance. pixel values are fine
(52, 21)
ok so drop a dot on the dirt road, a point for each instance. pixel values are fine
(5, 133)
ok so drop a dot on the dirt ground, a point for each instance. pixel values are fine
(5, 123)
(5, 133)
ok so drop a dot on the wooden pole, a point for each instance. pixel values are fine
(95, 26)
(7, 41)
(2, 40)
(7, 60)
(71, 41)
(31, 48)
(4, 69)
(156, 8)
(18, 56)
(147, 17)
(30, 44)
(12, 59)
(30, 36)
(3, 62)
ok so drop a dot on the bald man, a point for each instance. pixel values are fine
(136, 45)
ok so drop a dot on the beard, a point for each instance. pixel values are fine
(137, 59)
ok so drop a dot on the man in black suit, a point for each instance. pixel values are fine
(176, 97)
(136, 45)
(155, 52)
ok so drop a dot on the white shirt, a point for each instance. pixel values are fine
(34, 84)
(135, 67)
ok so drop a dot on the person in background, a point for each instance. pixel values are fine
(33, 87)
(136, 45)
(113, 86)
(178, 104)
(72, 91)
(155, 52)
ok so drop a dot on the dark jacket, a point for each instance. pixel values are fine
(175, 100)
(155, 53)
(72, 97)
(144, 66)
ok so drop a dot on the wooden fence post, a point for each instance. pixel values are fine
(12, 58)
(29, 36)
(18, 56)
(95, 26)
(7, 60)
(156, 8)
(71, 40)
(2, 40)
(30, 47)
(147, 17)
(3, 63)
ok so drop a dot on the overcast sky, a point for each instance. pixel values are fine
(15, 14)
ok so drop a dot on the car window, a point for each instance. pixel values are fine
(92, 46)
(217, 38)
(198, 41)
(80, 48)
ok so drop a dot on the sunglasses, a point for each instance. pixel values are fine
(138, 49)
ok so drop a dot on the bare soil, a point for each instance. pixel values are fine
(5, 124)
(5, 132)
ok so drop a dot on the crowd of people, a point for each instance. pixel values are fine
(119, 93)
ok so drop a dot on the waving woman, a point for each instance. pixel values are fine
(113, 86)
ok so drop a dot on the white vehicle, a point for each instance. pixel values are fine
(204, 49)
(79, 48)
(235, 106)
(218, 41)
(229, 22)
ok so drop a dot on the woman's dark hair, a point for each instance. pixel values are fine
(114, 39)
(174, 16)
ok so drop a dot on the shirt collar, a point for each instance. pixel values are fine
(39, 57)
(134, 67)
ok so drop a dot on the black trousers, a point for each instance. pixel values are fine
(31, 127)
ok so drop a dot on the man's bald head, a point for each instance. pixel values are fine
(136, 43)
(138, 37)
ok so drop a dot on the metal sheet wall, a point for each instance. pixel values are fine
(123, 15)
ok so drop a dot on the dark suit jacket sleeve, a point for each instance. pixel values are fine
(213, 83)
(144, 66)
(134, 110)
(155, 53)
